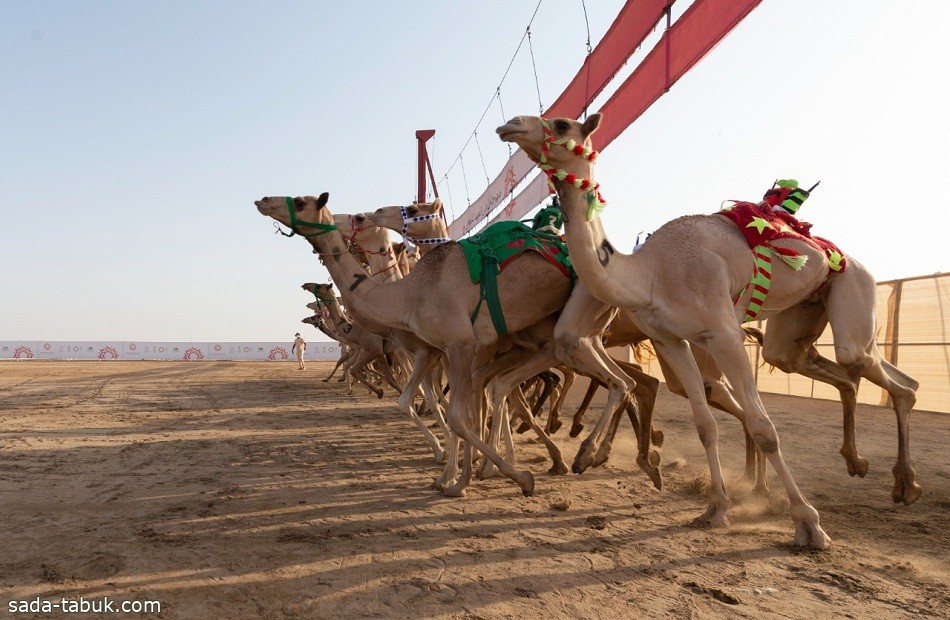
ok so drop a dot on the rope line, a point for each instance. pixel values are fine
(465, 181)
(458, 158)
(537, 85)
(482, 157)
(504, 119)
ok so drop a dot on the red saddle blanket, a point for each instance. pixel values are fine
(761, 225)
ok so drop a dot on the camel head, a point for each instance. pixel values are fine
(304, 215)
(530, 133)
(362, 233)
(323, 292)
(420, 222)
(314, 320)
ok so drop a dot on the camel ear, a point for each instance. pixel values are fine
(437, 203)
(591, 124)
(330, 286)
(323, 200)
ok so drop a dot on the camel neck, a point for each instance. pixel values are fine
(597, 262)
(375, 301)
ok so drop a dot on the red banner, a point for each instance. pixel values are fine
(694, 34)
(700, 28)
(631, 26)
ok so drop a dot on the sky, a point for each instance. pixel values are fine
(136, 136)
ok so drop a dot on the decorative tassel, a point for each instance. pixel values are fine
(595, 204)
(792, 258)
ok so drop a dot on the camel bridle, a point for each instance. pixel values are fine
(320, 227)
(407, 220)
(595, 201)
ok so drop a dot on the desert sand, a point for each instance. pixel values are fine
(252, 490)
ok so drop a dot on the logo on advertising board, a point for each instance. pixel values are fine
(47, 346)
(276, 352)
(23, 352)
(193, 353)
(108, 353)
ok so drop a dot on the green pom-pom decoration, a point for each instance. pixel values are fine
(792, 183)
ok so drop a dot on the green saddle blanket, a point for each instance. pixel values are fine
(491, 250)
(505, 241)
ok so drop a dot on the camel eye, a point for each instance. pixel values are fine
(299, 203)
(561, 126)
(412, 210)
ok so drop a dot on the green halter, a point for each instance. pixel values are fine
(322, 228)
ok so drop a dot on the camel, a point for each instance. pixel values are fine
(845, 300)
(421, 224)
(578, 344)
(371, 245)
(679, 287)
(318, 320)
(435, 301)
(369, 346)
(352, 352)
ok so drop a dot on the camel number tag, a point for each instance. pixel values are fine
(608, 250)
(357, 280)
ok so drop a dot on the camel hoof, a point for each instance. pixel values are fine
(649, 465)
(379, 394)
(656, 437)
(581, 462)
(438, 484)
(526, 481)
(811, 536)
(453, 491)
(487, 470)
(558, 469)
(906, 490)
(553, 428)
(576, 429)
(325, 380)
(601, 457)
(857, 465)
(715, 516)
(524, 428)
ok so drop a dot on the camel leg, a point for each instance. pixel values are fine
(460, 364)
(430, 393)
(856, 350)
(726, 348)
(554, 415)
(680, 359)
(507, 385)
(576, 426)
(491, 374)
(721, 397)
(534, 386)
(550, 386)
(423, 361)
(789, 346)
(558, 466)
(588, 355)
(339, 363)
(601, 450)
(645, 397)
(362, 360)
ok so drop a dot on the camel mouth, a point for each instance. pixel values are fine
(507, 133)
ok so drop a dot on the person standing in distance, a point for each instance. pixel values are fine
(299, 347)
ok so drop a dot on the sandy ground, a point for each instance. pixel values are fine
(252, 490)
